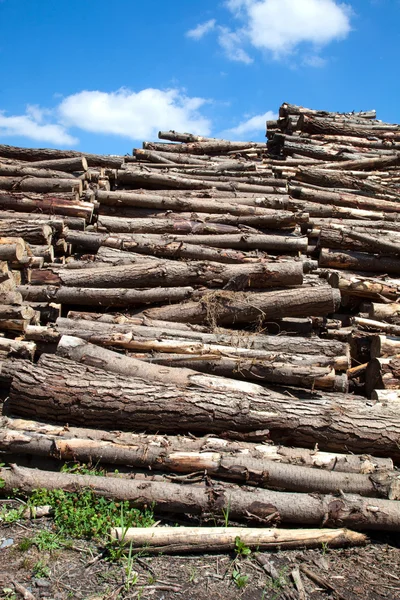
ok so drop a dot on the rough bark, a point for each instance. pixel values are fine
(33, 232)
(66, 392)
(131, 320)
(17, 348)
(101, 297)
(363, 286)
(79, 350)
(242, 503)
(168, 225)
(223, 308)
(45, 154)
(20, 436)
(163, 338)
(39, 184)
(342, 237)
(174, 273)
(68, 165)
(12, 249)
(311, 124)
(319, 375)
(209, 147)
(343, 199)
(358, 261)
(29, 170)
(47, 203)
(370, 325)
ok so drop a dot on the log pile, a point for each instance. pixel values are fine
(223, 312)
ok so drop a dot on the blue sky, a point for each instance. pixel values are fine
(102, 76)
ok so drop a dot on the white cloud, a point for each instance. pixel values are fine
(281, 28)
(231, 42)
(32, 125)
(253, 126)
(281, 25)
(201, 30)
(134, 115)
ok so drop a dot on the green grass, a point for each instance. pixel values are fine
(41, 570)
(85, 515)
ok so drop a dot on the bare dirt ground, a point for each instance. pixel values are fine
(82, 572)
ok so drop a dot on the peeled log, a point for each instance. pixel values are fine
(174, 273)
(223, 308)
(102, 297)
(63, 391)
(239, 502)
(19, 436)
(171, 540)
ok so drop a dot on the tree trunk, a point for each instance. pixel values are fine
(17, 348)
(219, 539)
(119, 319)
(16, 312)
(92, 445)
(301, 374)
(210, 147)
(154, 180)
(240, 503)
(223, 308)
(117, 298)
(66, 392)
(47, 203)
(12, 249)
(363, 286)
(30, 170)
(161, 247)
(67, 165)
(383, 242)
(174, 273)
(343, 199)
(39, 184)
(311, 124)
(368, 324)
(45, 154)
(270, 219)
(33, 232)
(174, 225)
(79, 350)
(161, 338)
(358, 261)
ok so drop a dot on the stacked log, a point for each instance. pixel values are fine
(259, 287)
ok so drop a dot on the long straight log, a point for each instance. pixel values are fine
(360, 285)
(121, 448)
(208, 147)
(63, 391)
(256, 504)
(308, 374)
(154, 246)
(46, 203)
(343, 199)
(163, 338)
(380, 242)
(169, 225)
(219, 539)
(23, 170)
(67, 165)
(81, 351)
(358, 261)
(225, 309)
(39, 184)
(45, 154)
(102, 297)
(376, 326)
(311, 124)
(174, 273)
(127, 319)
